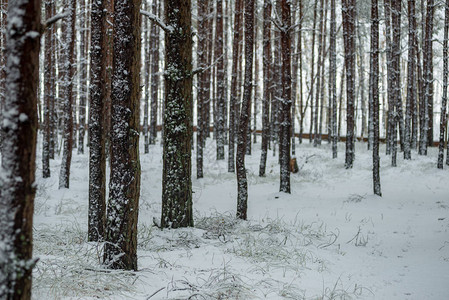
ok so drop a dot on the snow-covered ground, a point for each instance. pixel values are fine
(330, 239)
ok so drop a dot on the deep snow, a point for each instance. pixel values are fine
(330, 239)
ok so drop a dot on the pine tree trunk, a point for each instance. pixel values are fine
(266, 86)
(203, 7)
(333, 77)
(82, 89)
(312, 74)
(348, 13)
(124, 184)
(3, 16)
(286, 100)
(19, 149)
(177, 183)
(320, 62)
(69, 99)
(48, 95)
(220, 82)
(242, 183)
(374, 93)
(155, 82)
(411, 80)
(443, 117)
(146, 72)
(233, 100)
(97, 120)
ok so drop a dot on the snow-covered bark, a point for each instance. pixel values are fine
(82, 73)
(203, 7)
(3, 15)
(286, 99)
(124, 184)
(320, 66)
(155, 82)
(69, 98)
(443, 117)
(48, 95)
(374, 93)
(19, 149)
(97, 118)
(177, 168)
(242, 183)
(348, 14)
(233, 100)
(221, 101)
(333, 78)
(411, 80)
(266, 85)
(146, 73)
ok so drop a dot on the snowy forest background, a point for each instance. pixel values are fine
(231, 149)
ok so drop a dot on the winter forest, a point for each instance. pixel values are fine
(226, 149)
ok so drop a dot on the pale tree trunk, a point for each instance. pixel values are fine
(443, 117)
(242, 183)
(177, 183)
(233, 100)
(120, 250)
(312, 74)
(333, 77)
(19, 149)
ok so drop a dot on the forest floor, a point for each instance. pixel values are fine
(331, 238)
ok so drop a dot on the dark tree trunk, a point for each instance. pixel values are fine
(443, 117)
(124, 184)
(286, 100)
(146, 55)
(97, 121)
(242, 183)
(69, 70)
(203, 8)
(3, 15)
(221, 101)
(48, 95)
(266, 85)
(390, 77)
(320, 65)
(411, 80)
(348, 12)
(374, 93)
(82, 89)
(19, 149)
(233, 100)
(155, 82)
(177, 182)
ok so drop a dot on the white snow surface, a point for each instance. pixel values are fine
(330, 239)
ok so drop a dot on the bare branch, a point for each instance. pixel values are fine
(157, 20)
(53, 20)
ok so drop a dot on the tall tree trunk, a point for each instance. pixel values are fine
(220, 82)
(155, 82)
(242, 183)
(124, 183)
(19, 149)
(177, 183)
(233, 100)
(348, 12)
(390, 76)
(69, 71)
(48, 95)
(3, 16)
(374, 93)
(266, 85)
(146, 55)
(312, 74)
(82, 75)
(203, 8)
(286, 100)
(97, 121)
(320, 61)
(411, 80)
(443, 117)
(333, 77)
